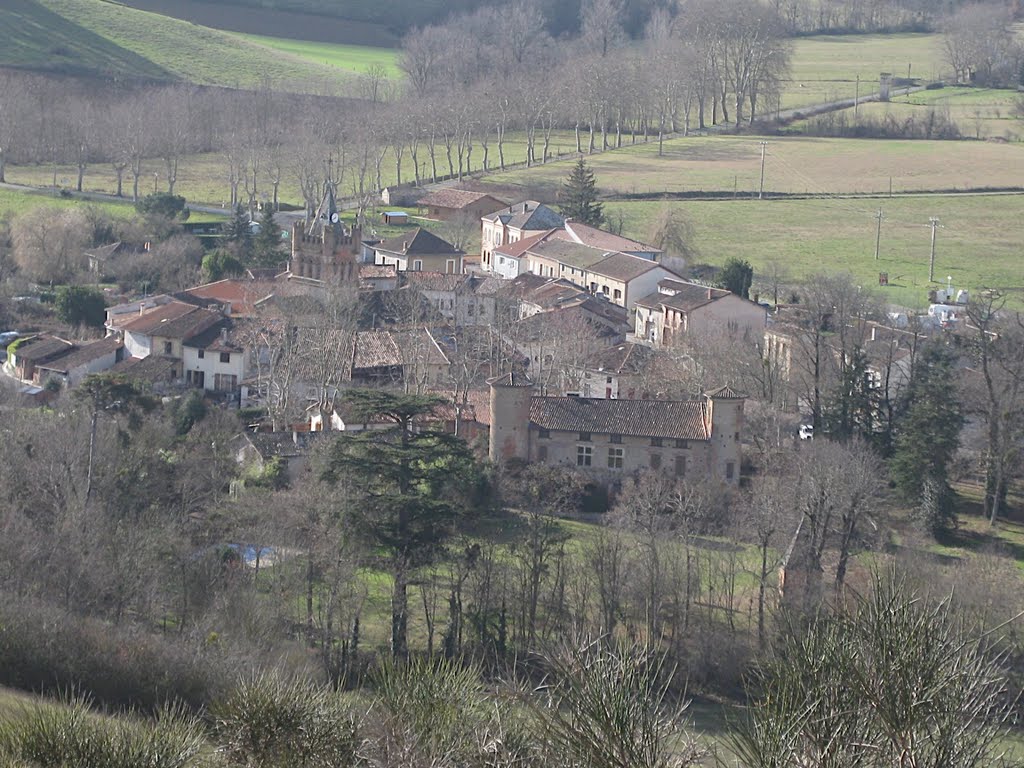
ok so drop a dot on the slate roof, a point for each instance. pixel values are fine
(83, 355)
(622, 266)
(457, 199)
(528, 215)
(673, 419)
(578, 317)
(419, 242)
(322, 217)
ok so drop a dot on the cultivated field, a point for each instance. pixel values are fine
(979, 244)
(794, 165)
(825, 67)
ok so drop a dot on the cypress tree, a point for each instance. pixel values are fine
(267, 244)
(928, 436)
(580, 196)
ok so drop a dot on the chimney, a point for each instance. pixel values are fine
(224, 335)
(874, 330)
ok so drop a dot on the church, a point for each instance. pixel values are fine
(322, 248)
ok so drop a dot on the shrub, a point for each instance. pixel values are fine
(77, 305)
(71, 735)
(268, 722)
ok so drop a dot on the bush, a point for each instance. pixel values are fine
(268, 722)
(163, 204)
(43, 649)
(77, 305)
(72, 735)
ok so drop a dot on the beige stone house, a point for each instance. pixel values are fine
(679, 309)
(419, 251)
(449, 203)
(512, 224)
(697, 439)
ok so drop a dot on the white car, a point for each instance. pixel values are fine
(806, 432)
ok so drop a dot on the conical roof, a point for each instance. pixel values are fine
(511, 379)
(327, 214)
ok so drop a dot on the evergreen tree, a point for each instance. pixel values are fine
(267, 244)
(580, 196)
(238, 234)
(408, 487)
(220, 264)
(77, 305)
(736, 277)
(851, 409)
(928, 436)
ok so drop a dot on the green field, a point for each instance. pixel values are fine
(353, 58)
(979, 113)
(13, 202)
(795, 165)
(99, 37)
(979, 244)
(825, 68)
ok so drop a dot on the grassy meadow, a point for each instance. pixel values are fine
(105, 38)
(825, 67)
(794, 165)
(14, 202)
(979, 244)
(978, 113)
(352, 58)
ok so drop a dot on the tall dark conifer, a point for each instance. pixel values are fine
(579, 196)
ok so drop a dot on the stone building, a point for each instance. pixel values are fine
(322, 248)
(696, 439)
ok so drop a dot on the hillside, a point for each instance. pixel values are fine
(97, 37)
(36, 37)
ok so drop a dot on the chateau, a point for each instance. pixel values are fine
(696, 439)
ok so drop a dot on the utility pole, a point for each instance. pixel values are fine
(931, 263)
(856, 99)
(760, 189)
(878, 232)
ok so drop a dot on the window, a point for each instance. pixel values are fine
(202, 354)
(223, 382)
(655, 461)
(501, 259)
(470, 309)
(449, 266)
(737, 437)
(584, 455)
(542, 453)
(168, 348)
(680, 465)
(584, 437)
(225, 357)
(656, 442)
(615, 439)
(608, 380)
(615, 458)
(730, 470)
(543, 434)
(618, 294)
(682, 443)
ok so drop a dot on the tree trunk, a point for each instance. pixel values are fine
(400, 610)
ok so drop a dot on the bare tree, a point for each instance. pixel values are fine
(47, 245)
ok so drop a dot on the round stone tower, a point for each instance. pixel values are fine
(511, 395)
